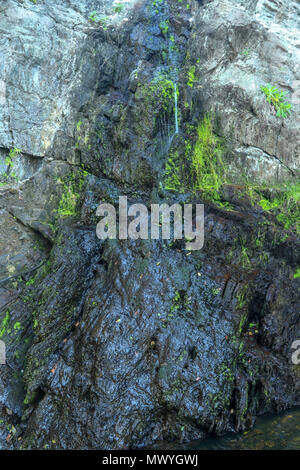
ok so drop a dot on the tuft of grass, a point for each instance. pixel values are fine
(68, 203)
(297, 273)
(203, 168)
(10, 176)
(206, 163)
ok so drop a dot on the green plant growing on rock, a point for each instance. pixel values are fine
(277, 99)
(164, 27)
(206, 162)
(9, 175)
(297, 274)
(119, 7)
(17, 326)
(244, 256)
(68, 204)
(93, 16)
(163, 89)
(175, 302)
(173, 173)
(202, 169)
(242, 297)
(13, 153)
(101, 20)
(191, 76)
(4, 324)
(285, 205)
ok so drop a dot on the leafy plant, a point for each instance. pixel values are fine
(13, 153)
(173, 174)
(277, 99)
(101, 20)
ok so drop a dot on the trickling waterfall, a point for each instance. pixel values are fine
(167, 73)
(176, 109)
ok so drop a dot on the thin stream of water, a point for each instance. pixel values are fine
(176, 109)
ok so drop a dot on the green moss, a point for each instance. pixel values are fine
(17, 326)
(225, 372)
(31, 397)
(242, 297)
(199, 166)
(159, 92)
(191, 76)
(13, 153)
(284, 203)
(176, 302)
(118, 8)
(10, 176)
(101, 20)
(297, 274)
(174, 173)
(72, 187)
(244, 254)
(4, 325)
(243, 319)
(142, 265)
(207, 165)
(202, 168)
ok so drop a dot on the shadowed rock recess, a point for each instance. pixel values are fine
(124, 344)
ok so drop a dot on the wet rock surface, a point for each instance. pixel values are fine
(121, 344)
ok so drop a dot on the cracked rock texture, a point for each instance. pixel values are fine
(121, 344)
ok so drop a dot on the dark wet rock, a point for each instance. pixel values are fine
(161, 347)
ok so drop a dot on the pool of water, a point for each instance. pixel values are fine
(278, 433)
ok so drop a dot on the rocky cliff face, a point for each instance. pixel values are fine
(121, 344)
